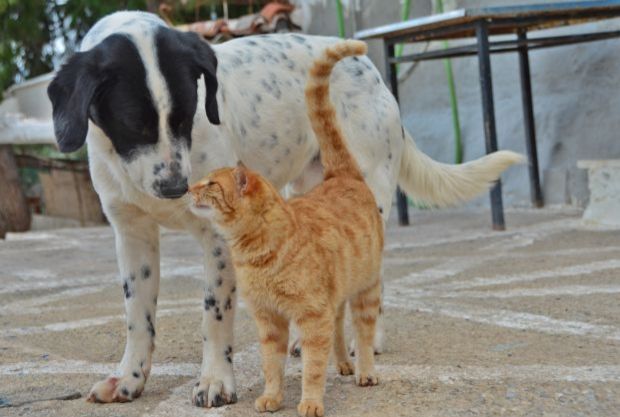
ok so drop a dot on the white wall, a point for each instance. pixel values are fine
(576, 98)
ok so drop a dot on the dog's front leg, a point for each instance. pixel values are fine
(137, 250)
(216, 386)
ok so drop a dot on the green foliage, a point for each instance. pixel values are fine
(36, 34)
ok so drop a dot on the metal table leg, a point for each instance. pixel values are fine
(488, 113)
(528, 120)
(392, 76)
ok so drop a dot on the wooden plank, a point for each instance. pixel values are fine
(70, 194)
(14, 212)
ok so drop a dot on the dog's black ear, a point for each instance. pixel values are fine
(71, 92)
(207, 61)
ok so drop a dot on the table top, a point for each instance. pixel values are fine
(500, 19)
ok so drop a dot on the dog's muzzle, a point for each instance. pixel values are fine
(174, 187)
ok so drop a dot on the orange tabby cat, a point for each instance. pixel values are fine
(302, 260)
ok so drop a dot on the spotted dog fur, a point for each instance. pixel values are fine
(159, 108)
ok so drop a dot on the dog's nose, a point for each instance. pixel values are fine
(174, 188)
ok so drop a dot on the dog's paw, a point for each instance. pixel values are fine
(117, 390)
(268, 403)
(311, 408)
(346, 368)
(366, 379)
(295, 348)
(209, 392)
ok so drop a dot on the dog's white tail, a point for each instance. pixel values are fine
(440, 184)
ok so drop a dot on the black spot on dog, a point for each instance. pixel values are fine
(381, 210)
(149, 325)
(221, 265)
(157, 168)
(210, 302)
(135, 374)
(130, 327)
(299, 39)
(251, 42)
(228, 354)
(218, 314)
(228, 305)
(126, 289)
(203, 157)
(390, 155)
(146, 272)
(155, 300)
(217, 251)
(273, 141)
(218, 400)
(233, 289)
(177, 155)
(200, 398)
(175, 166)
(125, 392)
(219, 281)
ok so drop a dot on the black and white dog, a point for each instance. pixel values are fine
(160, 108)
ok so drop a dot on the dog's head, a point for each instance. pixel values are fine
(140, 89)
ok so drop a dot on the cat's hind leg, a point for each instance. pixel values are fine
(273, 334)
(365, 311)
(379, 335)
(344, 365)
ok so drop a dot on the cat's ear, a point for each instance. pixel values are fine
(244, 180)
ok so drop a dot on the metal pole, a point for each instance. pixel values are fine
(392, 77)
(528, 120)
(488, 114)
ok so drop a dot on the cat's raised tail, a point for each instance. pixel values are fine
(335, 157)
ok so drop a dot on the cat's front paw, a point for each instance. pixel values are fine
(346, 368)
(311, 408)
(366, 379)
(116, 390)
(268, 403)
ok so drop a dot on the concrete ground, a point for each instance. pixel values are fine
(522, 323)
